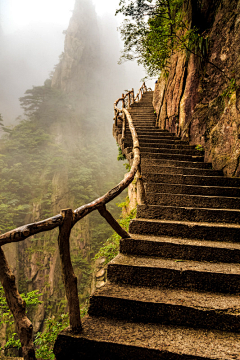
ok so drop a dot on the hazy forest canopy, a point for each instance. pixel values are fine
(61, 154)
(153, 31)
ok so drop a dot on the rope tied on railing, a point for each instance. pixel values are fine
(65, 221)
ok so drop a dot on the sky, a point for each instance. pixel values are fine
(16, 14)
(32, 42)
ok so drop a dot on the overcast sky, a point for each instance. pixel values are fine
(33, 40)
(16, 14)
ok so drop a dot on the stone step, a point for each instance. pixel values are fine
(179, 170)
(181, 248)
(163, 145)
(148, 119)
(191, 179)
(166, 140)
(143, 109)
(144, 113)
(195, 201)
(167, 306)
(144, 127)
(193, 189)
(171, 212)
(158, 137)
(108, 339)
(174, 274)
(169, 162)
(145, 133)
(162, 149)
(186, 229)
(181, 157)
(144, 120)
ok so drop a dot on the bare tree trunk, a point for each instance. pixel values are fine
(69, 278)
(18, 308)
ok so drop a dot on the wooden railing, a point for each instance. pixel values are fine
(65, 222)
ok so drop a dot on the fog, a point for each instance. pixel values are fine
(32, 40)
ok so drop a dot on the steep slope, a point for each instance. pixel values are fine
(172, 292)
(200, 99)
(61, 155)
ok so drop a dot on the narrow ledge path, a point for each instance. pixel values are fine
(173, 290)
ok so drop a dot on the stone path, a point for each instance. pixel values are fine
(173, 290)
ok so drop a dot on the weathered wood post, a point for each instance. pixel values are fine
(18, 308)
(69, 278)
(124, 119)
(114, 224)
(123, 101)
(115, 117)
(132, 96)
(141, 196)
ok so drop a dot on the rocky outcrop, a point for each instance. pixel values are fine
(80, 58)
(198, 101)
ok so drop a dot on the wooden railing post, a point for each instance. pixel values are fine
(123, 101)
(123, 127)
(18, 308)
(141, 196)
(115, 117)
(69, 278)
(114, 224)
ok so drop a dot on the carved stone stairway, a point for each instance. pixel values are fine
(173, 290)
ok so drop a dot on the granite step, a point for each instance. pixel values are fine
(163, 169)
(150, 132)
(194, 201)
(181, 157)
(186, 229)
(181, 248)
(159, 144)
(174, 150)
(177, 163)
(108, 339)
(163, 141)
(170, 212)
(191, 179)
(167, 306)
(193, 189)
(174, 274)
(157, 137)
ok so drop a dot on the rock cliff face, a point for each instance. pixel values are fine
(80, 60)
(197, 101)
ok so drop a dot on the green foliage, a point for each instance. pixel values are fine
(31, 299)
(199, 147)
(120, 156)
(231, 88)
(153, 31)
(45, 340)
(111, 247)
(127, 166)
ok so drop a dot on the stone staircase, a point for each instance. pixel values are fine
(173, 290)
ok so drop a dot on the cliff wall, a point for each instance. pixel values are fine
(199, 101)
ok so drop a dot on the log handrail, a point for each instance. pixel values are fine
(65, 221)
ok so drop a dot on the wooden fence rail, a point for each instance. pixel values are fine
(65, 221)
